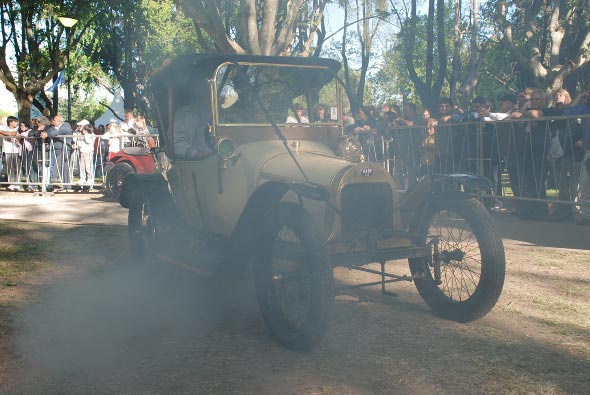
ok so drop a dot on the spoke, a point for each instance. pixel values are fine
(459, 278)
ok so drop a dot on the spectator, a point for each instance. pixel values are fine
(348, 122)
(321, 113)
(85, 143)
(114, 136)
(62, 150)
(366, 129)
(299, 115)
(449, 139)
(142, 133)
(581, 106)
(563, 165)
(503, 137)
(30, 166)
(11, 147)
(407, 138)
(129, 122)
(535, 144)
(490, 155)
(41, 146)
(524, 99)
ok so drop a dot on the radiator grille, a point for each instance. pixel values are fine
(366, 206)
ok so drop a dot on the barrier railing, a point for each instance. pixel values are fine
(532, 162)
(40, 165)
(520, 156)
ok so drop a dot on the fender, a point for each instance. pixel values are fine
(243, 240)
(140, 161)
(415, 197)
(137, 183)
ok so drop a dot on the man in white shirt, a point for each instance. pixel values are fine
(129, 122)
(11, 148)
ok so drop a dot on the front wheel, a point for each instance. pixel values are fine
(294, 280)
(463, 277)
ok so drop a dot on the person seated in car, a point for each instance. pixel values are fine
(191, 126)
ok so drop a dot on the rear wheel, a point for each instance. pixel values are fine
(463, 278)
(142, 229)
(151, 224)
(294, 281)
(115, 178)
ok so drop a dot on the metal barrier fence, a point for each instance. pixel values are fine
(520, 156)
(40, 165)
(531, 162)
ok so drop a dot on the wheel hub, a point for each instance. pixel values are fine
(448, 256)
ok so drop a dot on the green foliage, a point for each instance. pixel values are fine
(89, 108)
(129, 47)
(4, 113)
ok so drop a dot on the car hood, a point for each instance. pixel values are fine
(320, 166)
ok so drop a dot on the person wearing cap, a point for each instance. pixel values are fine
(62, 150)
(85, 143)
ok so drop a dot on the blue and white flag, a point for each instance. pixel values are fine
(58, 81)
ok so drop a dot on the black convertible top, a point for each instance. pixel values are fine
(185, 79)
(202, 66)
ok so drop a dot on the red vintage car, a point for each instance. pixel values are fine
(127, 161)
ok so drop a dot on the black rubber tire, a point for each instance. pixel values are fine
(472, 284)
(142, 228)
(115, 178)
(294, 279)
(151, 225)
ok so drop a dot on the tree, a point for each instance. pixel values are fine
(429, 84)
(264, 27)
(32, 40)
(132, 44)
(368, 16)
(547, 39)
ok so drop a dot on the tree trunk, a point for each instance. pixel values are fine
(24, 102)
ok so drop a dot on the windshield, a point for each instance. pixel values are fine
(250, 93)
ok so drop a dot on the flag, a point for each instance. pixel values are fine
(58, 81)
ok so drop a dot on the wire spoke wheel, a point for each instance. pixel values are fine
(290, 278)
(464, 276)
(293, 279)
(458, 254)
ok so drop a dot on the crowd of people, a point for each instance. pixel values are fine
(533, 143)
(536, 145)
(56, 145)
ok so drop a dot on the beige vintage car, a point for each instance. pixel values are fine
(253, 182)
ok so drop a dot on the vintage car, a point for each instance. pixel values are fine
(265, 191)
(127, 161)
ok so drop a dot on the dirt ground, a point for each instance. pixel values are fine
(76, 317)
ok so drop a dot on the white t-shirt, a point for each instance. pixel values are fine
(10, 145)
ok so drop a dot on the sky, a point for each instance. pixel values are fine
(7, 102)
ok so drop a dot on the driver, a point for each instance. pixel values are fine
(191, 124)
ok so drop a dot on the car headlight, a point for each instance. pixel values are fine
(226, 148)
